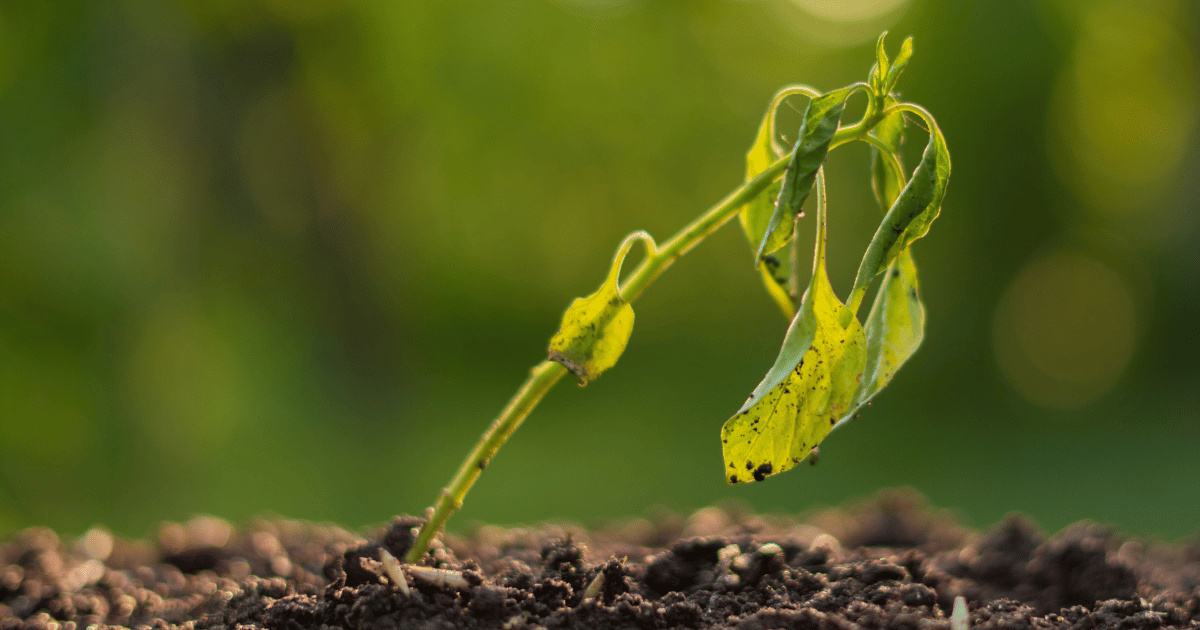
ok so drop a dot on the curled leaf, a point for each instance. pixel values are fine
(896, 325)
(595, 329)
(756, 214)
(914, 209)
(821, 119)
(806, 391)
(895, 329)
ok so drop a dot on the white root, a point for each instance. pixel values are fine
(593, 588)
(439, 577)
(958, 618)
(395, 573)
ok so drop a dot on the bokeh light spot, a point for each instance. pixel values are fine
(1125, 107)
(43, 418)
(843, 11)
(184, 381)
(1064, 330)
(840, 23)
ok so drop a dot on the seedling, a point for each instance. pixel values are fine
(831, 364)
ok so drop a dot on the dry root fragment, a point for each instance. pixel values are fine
(394, 571)
(439, 577)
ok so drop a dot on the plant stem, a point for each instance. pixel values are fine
(543, 377)
(546, 374)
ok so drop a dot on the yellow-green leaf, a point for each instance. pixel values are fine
(755, 215)
(810, 387)
(912, 212)
(895, 329)
(881, 68)
(896, 325)
(595, 329)
(817, 129)
(897, 68)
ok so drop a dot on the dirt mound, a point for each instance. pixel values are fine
(887, 563)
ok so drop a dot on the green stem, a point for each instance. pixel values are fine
(870, 118)
(890, 158)
(543, 377)
(547, 373)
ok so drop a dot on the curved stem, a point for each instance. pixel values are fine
(912, 108)
(547, 374)
(891, 158)
(870, 118)
(623, 251)
(779, 97)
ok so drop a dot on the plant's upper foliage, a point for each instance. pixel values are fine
(830, 364)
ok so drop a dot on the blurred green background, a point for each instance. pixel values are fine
(292, 256)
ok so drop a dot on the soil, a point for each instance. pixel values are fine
(890, 562)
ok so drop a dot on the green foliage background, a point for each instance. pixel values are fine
(293, 256)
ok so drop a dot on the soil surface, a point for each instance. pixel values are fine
(890, 562)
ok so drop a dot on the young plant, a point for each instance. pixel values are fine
(831, 364)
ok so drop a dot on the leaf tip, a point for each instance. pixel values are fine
(881, 64)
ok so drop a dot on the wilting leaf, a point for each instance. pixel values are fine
(595, 329)
(821, 119)
(594, 332)
(809, 388)
(894, 330)
(755, 215)
(774, 273)
(911, 214)
(896, 325)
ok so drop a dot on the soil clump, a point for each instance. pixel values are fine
(890, 562)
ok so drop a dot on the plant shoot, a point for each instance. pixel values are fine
(830, 363)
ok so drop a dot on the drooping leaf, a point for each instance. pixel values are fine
(895, 326)
(774, 274)
(911, 214)
(756, 214)
(894, 330)
(594, 332)
(810, 386)
(595, 329)
(820, 122)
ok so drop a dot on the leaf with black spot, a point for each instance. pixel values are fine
(808, 389)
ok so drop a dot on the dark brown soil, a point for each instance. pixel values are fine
(887, 563)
